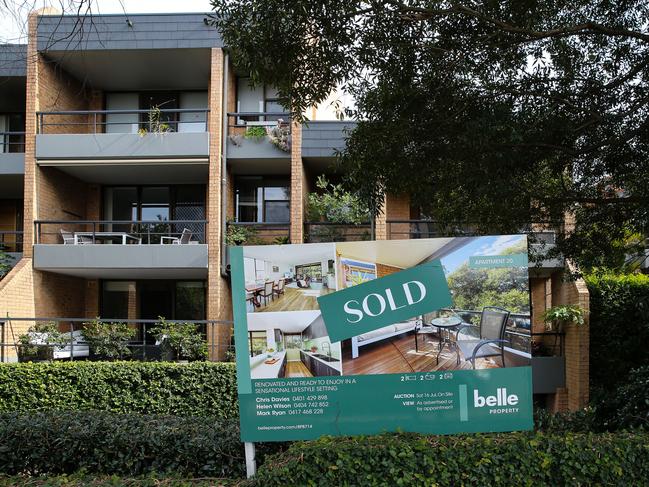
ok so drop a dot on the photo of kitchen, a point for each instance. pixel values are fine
(278, 279)
(487, 326)
(291, 344)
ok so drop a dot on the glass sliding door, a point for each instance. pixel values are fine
(262, 200)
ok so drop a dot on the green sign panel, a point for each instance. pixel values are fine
(495, 261)
(396, 297)
(337, 350)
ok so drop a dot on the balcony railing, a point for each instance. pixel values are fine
(272, 127)
(410, 229)
(20, 341)
(11, 240)
(244, 233)
(11, 142)
(122, 121)
(316, 232)
(124, 232)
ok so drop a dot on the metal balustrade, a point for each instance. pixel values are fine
(126, 232)
(102, 121)
(17, 342)
(12, 142)
(316, 232)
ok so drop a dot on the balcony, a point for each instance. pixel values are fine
(142, 342)
(317, 232)
(12, 153)
(177, 143)
(244, 233)
(116, 249)
(256, 137)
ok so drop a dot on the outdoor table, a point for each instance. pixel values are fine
(106, 236)
(445, 326)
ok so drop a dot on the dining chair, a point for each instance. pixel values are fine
(279, 287)
(268, 291)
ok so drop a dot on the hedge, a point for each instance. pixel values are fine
(84, 480)
(194, 389)
(619, 327)
(525, 459)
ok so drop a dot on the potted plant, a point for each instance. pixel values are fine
(37, 345)
(180, 341)
(108, 340)
(557, 317)
(255, 133)
(314, 349)
(270, 352)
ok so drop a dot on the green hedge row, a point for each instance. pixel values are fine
(122, 444)
(619, 326)
(85, 480)
(194, 389)
(522, 459)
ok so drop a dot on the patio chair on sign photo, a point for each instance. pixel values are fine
(485, 340)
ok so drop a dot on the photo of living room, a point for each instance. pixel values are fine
(280, 280)
(291, 344)
(484, 328)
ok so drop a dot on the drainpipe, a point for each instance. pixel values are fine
(224, 165)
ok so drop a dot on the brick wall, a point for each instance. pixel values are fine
(576, 340)
(17, 300)
(218, 302)
(297, 185)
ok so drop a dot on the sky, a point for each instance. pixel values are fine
(13, 23)
(479, 246)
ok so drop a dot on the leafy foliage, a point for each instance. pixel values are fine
(474, 288)
(239, 234)
(495, 460)
(629, 406)
(123, 444)
(334, 204)
(194, 389)
(82, 479)
(108, 340)
(39, 342)
(255, 132)
(4, 262)
(619, 326)
(490, 113)
(557, 316)
(180, 341)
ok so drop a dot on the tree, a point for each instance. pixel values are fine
(500, 114)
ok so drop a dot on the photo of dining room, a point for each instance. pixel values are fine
(288, 278)
(487, 325)
(291, 344)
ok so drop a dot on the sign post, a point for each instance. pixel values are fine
(339, 350)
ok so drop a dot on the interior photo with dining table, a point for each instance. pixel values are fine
(277, 279)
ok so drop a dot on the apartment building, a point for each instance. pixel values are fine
(131, 145)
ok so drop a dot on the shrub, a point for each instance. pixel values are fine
(628, 407)
(37, 343)
(108, 340)
(121, 444)
(494, 460)
(180, 341)
(619, 327)
(195, 389)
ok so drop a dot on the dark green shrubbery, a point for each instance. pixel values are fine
(628, 406)
(195, 389)
(480, 460)
(619, 327)
(122, 444)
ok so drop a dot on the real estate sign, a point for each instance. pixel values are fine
(425, 335)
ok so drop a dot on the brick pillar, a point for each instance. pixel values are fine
(217, 289)
(297, 185)
(397, 207)
(577, 347)
(380, 223)
(31, 108)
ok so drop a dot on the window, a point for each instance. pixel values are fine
(314, 271)
(261, 98)
(262, 200)
(12, 142)
(257, 342)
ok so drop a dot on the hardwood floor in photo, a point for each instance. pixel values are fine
(294, 299)
(297, 369)
(398, 355)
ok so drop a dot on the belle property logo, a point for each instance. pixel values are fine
(501, 403)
